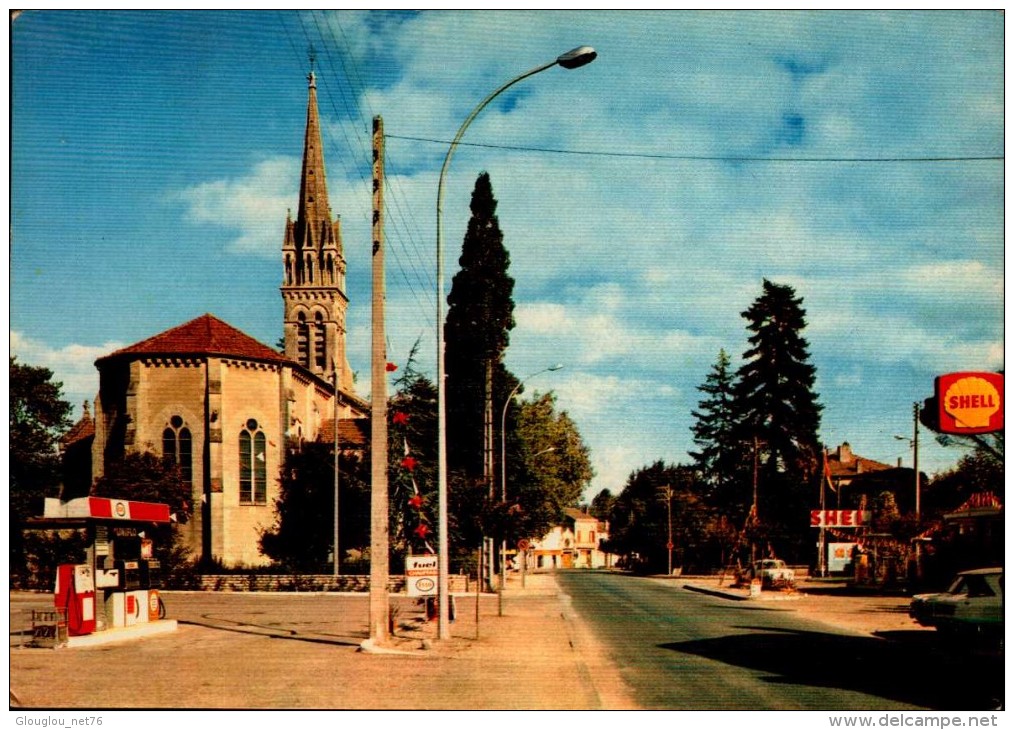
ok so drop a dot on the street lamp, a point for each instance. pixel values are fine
(503, 473)
(571, 59)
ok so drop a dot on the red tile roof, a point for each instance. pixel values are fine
(206, 335)
(352, 432)
(83, 429)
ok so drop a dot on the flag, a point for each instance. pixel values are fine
(827, 474)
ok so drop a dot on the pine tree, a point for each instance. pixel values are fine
(721, 458)
(778, 412)
(479, 319)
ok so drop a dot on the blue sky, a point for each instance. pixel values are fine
(643, 198)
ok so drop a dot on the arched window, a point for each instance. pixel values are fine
(319, 341)
(302, 341)
(253, 465)
(177, 448)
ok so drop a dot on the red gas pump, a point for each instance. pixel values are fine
(75, 595)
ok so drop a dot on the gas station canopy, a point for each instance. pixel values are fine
(103, 508)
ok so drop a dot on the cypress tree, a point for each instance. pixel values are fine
(479, 319)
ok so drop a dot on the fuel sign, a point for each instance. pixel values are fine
(421, 575)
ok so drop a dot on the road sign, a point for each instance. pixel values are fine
(523, 544)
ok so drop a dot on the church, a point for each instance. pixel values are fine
(225, 407)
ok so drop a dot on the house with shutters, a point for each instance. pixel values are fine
(574, 543)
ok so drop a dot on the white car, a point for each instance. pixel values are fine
(973, 605)
(773, 573)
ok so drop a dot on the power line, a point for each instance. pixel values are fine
(704, 158)
(354, 111)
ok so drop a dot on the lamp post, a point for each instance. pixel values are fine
(572, 59)
(503, 474)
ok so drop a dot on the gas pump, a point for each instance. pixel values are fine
(75, 594)
(120, 564)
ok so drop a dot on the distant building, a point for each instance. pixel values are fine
(845, 466)
(856, 480)
(574, 543)
(222, 405)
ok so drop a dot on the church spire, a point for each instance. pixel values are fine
(313, 205)
(314, 268)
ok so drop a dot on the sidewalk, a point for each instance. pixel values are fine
(301, 651)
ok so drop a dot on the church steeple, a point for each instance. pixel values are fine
(314, 266)
(313, 205)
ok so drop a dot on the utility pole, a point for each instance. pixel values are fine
(337, 550)
(379, 609)
(753, 509)
(918, 488)
(667, 494)
(487, 454)
(915, 457)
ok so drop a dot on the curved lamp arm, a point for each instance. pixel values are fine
(569, 60)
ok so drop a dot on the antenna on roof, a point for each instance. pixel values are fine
(311, 52)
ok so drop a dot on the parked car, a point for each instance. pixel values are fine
(773, 573)
(973, 605)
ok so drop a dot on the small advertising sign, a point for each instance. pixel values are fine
(839, 555)
(970, 402)
(839, 517)
(421, 575)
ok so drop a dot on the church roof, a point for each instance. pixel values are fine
(205, 335)
(352, 432)
(83, 429)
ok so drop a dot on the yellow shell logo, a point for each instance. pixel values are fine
(971, 402)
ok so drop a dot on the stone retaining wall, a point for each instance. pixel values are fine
(315, 583)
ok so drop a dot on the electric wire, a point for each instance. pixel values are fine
(706, 158)
(354, 110)
(400, 219)
(359, 149)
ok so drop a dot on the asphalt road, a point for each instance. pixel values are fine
(677, 649)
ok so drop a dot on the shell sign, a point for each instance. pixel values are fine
(970, 402)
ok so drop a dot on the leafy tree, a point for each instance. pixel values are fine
(302, 537)
(548, 469)
(38, 416)
(479, 319)
(145, 477)
(639, 522)
(779, 412)
(979, 471)
(721, 459)
(602, 505)
(412, 455)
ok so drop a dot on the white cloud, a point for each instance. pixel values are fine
(72, 365)
(254, 206)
